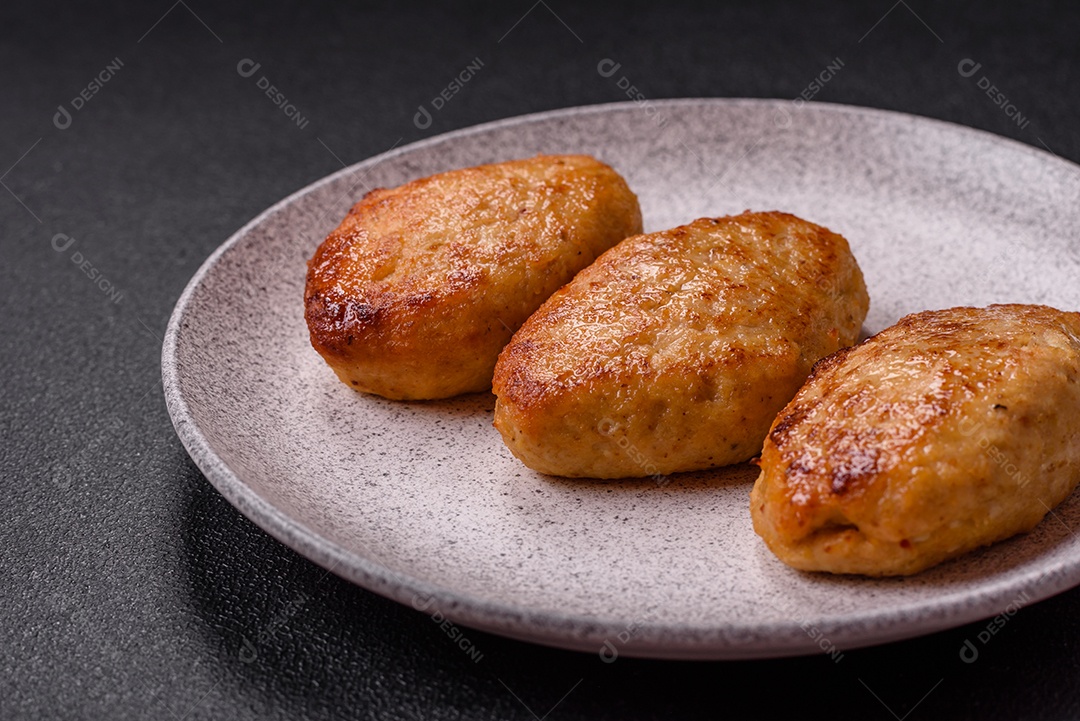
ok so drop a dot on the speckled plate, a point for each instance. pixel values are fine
(422, 503)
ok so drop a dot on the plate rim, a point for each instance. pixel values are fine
(552, 627)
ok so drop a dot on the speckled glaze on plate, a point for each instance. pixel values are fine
(422, 503)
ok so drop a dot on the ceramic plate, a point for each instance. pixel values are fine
(422, 503)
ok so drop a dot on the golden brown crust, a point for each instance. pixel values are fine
(675, 350)
(947, 431)
(420, 287)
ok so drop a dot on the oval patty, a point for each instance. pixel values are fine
(948, 431)
(675, 350)
(420, 287)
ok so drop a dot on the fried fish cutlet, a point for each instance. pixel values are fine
(675, 350)
(948, 431)
(420, 287)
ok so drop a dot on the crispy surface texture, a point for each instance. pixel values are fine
(950, 430)
(675, 350)
(420, 287)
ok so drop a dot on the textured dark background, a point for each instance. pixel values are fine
(131, 589)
